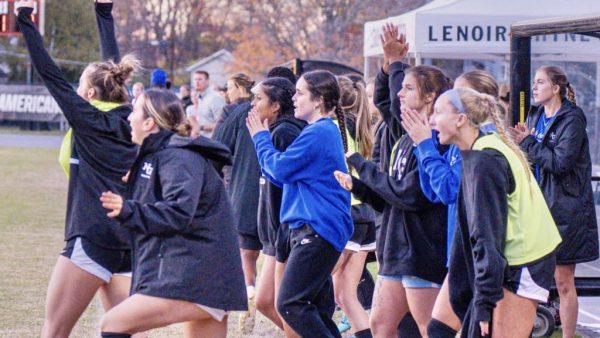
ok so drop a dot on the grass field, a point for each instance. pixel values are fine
(32, 202)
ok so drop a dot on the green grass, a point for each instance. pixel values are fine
(32, 197)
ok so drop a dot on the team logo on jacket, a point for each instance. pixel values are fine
(147, 170)
(552, 136)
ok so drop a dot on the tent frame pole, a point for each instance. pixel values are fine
(520, 78)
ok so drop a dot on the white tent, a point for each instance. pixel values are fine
(479, 29)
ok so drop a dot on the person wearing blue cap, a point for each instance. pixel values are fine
(158, 78)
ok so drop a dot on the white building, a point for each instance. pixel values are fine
(216, 65)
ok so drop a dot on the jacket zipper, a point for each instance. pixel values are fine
(161, 260)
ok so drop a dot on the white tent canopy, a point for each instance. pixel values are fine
(479, 29)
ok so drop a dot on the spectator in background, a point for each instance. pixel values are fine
(136, 91)
(184, 95)
(158, 79)
(239, 90)
(207, 105)
(222, 90)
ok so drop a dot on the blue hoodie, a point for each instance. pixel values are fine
(311, 194)
(440, 178)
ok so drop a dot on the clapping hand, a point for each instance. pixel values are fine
(254, 124)
(394, 44)
(23, 4)
(415, 125)
(519, 132)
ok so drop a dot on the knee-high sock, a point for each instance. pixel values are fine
(438, 329)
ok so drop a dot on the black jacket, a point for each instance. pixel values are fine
(412, 238)
(385, 97)
(102, 149)
(477, 263)
(227, 110)
(180, 218)
(565, 180)
(283, 132)
(245, 170)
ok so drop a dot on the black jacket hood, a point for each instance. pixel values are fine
(209, 149)
(567, 108)
(287, 119)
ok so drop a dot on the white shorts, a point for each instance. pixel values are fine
(217, 314)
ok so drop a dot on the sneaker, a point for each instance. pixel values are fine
(247, 318)
(344, 324)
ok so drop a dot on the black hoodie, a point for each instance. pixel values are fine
(180, 218)
(283, 132)
(412, 240)
(565, 179)
(102, 149)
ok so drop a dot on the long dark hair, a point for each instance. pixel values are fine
(323, 84)
(430, 80)
(280, 90)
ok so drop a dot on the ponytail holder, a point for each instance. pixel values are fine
(454, 98)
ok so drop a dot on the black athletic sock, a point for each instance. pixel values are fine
(437, 329)
(115, 335)
(366, 333)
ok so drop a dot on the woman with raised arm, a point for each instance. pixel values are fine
(96, 154)
(186, 264)
(440, 175)
(555, 139)
(411, 246)
(502, 257)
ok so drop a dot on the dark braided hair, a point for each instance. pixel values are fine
(280, 90)
(323, 84)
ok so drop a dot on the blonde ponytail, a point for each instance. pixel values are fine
(355, 104)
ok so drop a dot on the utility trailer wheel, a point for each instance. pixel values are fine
(544, 324)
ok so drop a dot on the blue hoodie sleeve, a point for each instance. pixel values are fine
(439, 175)
(290, 165)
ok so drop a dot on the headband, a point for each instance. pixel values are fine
(454, 98)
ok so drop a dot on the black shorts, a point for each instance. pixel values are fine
(98, 261)
(267, 233)
(363, 237)
(533, 280)
(249, 242)
(282, 243)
